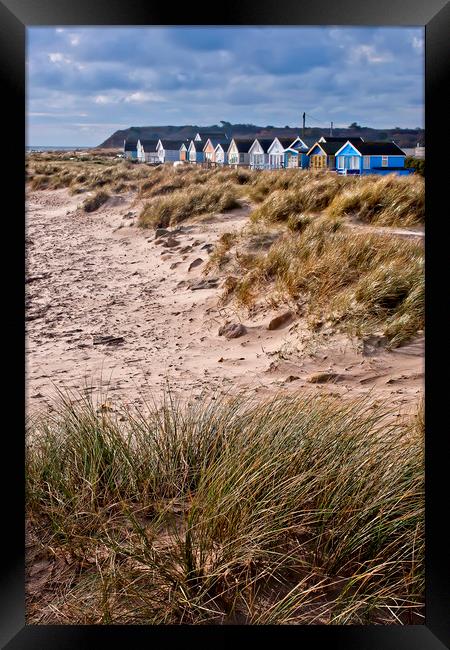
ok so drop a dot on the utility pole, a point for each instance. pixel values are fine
(331, 129)
(303, 129)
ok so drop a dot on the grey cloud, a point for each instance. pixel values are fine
(202, 75)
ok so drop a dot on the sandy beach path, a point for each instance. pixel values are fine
(106, 303)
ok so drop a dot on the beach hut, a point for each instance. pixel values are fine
(238, 152)
(276, 152)
(259, 153)
(168, 150)
(322, 153)
(146, 151)
(279, 147)
(296, 154)
(371, 158)
(209, 150)
(195, 151)
(130, 149)
(221, 154)
(184, 152)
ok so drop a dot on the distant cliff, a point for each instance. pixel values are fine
(403, 137)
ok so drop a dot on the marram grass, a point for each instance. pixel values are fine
(182, 204)
(359, 282)
(390, 200)
(293, 510)
(175, 194)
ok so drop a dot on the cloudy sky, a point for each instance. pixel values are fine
(83, 83)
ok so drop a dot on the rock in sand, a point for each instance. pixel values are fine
(170, 242)
(232, 330)
(161, 232)
(195, 263)
(280, 320)
(204, 284)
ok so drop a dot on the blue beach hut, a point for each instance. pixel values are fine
(371, 158)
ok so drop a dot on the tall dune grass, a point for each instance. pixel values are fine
(358, 282)
(281, 194)
(82, 175)
(383, 201)
(162, 211)
(304, 190)
(118, 176)
(229, 511)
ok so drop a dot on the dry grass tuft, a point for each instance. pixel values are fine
(219, 257)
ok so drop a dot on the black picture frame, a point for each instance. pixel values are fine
(15, 17)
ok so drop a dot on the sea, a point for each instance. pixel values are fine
(30, 148)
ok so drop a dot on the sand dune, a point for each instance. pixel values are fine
(108, 304)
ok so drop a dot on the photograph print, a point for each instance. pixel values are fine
(225, 325)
